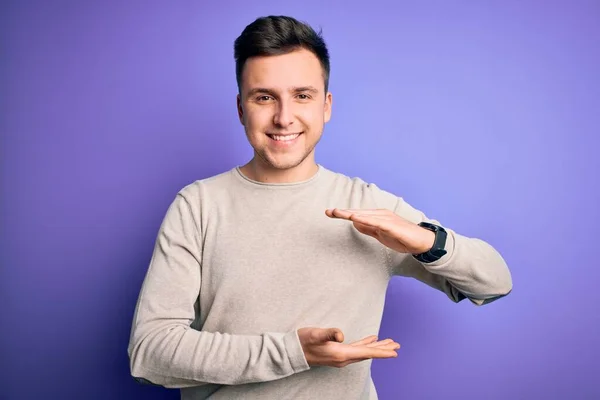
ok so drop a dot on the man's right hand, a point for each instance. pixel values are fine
(324, 347)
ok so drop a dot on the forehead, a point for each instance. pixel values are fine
(298, 68)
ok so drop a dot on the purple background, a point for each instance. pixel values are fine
(482, 114)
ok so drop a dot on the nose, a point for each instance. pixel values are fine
(283, 115)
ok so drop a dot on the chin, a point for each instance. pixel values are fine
(284, 163)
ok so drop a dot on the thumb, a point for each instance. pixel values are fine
(334, 335)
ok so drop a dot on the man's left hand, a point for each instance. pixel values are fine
(389, 228)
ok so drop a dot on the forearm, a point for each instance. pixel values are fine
(165, 350)
(177, 356)
(471, 268)
(474, 268)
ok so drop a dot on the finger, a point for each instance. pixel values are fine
(365, 341)
(325, 335)
(367, 217)
(379, 343)
(345, 213)
(387, 346)
(335, 335)
(362, 210)
(368, 211)
(380, 223)
(355, 360)
(354, 352)
(335, 213)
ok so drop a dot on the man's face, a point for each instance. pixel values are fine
(283, 107)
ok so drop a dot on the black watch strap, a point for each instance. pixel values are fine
(438, 250)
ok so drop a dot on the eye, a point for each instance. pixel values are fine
(263, 98)
(304, 96)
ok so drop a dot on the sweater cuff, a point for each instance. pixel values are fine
(295, 352)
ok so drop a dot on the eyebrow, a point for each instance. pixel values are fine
(295, 89)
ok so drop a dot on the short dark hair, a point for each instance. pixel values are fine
(275, 35)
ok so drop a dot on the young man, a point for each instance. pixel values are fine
(268, 281)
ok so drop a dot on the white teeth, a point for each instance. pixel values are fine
(285, 138)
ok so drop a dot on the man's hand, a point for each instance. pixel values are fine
(324, 347)
(389, 228)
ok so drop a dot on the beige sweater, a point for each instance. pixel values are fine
(240, 265)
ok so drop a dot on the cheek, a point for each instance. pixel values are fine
(313, 116)
(258, 119)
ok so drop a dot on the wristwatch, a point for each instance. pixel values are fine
(438, 250)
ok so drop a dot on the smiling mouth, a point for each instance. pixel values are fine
(284, 138)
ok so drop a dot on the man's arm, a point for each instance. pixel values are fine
(471, 269)
(165, 350)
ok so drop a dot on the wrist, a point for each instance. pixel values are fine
(427, 241)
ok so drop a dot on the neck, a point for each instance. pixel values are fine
(259, 171)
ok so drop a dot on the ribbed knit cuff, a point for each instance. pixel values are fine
(295, 352)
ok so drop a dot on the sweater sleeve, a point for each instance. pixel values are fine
(164, 349)
(471, 269)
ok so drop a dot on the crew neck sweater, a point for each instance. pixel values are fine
(239, 266)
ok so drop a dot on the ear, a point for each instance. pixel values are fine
(240, 109)
(328, 103)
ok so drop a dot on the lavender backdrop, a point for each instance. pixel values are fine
(482, 114)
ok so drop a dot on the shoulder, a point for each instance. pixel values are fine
(197, 195)
(200, 188)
